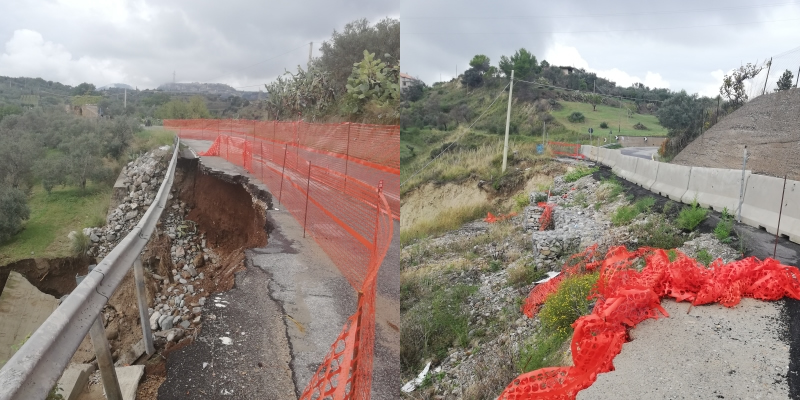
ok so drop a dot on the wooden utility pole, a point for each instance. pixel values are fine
(310, 49)
(508, 121)
(795, 82)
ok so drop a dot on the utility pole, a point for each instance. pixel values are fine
(508, 120)
(125, 99)
(795, 82)
(310, 49)
(769, 65)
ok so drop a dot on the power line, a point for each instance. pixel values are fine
(455, 141)
(599, 31)
(576, 90)
(660, 12)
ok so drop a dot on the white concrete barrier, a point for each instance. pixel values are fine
(762, 205)
(590, 152)
(672, 181)
(714, 188)
(646, 173)
(625, 167)
(608, 157)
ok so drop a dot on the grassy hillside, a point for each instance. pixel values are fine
(615, 117)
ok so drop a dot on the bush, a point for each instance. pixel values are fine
(13, 210)
(723, 229)
(690, 217)
(579, 173)
(576, 117)
(520, 201)
(567, 304)
(79, 243)
(604, 125)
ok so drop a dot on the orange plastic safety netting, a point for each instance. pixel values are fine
(352, 222)
(369, 153)
(491, 218)
(626, 295)
(566, 149)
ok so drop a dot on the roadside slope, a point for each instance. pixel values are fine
(767, 125)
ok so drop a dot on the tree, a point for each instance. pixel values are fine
(84, 161)
(13, 210)
(18, 152)
(785, 81)
(733, 85)
(84, 89)
(594, 100)
(372, 81)
(178, 109)
(414, 92)
(682, 114)
(480, 63)
(347, 47)
(522, 62)
(472, 78)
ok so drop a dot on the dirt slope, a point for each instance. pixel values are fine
(767, 125)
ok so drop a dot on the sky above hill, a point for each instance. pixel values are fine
(141, 42)
(678, 44)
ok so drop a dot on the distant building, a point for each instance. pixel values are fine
(406, 80)
(566, 70)
(86, 110)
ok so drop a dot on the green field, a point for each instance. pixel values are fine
(615, 117)
(53, 216)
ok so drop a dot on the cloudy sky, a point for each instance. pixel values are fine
(141, 42)
(677, 44)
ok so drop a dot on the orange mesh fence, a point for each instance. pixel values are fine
(491, 218)
(546, 220)
(369, 153)
(566, 149)
(350, 220)
(626, 296)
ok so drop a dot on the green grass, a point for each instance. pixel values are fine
(541, 351)
(524, 274)
(149, 139)
(446, 221)
(626, 214)
(53, 217)
(690, 217)
(704, 257)
(611, 115)
(579, 173)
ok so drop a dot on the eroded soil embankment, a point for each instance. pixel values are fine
(55, 276)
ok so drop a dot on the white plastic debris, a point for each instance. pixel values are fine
(226, 340)
(550, 275)
(412, 384)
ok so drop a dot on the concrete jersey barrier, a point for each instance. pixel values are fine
(646, 173)
(608, 157)
(762, 205)
(671, 180)
(625, 166)
(589, 152)
(715, 188)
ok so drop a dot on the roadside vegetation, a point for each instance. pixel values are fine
(57, 170)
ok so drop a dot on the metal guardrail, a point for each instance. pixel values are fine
(37, 366)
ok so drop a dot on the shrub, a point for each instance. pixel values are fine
(520, 201)
(579, 173)
(658, 232)
(723, 229)
(604, 125)
(567, 304)
(576, 117)
(541, 351)
(79, 243)
(690, 217)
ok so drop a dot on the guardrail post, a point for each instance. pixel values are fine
(104, 360)
(147, 334)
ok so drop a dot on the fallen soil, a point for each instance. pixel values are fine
(767, 125)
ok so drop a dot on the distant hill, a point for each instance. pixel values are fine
(197, 87)
(767, 125)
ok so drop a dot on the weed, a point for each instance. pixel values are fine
(433, 325)
(690, 217)
(704, 257)
(580, 200)
(579, 173)
(521, 200)
(446, 221)
(672, 254)
(540, 197)
(723, 229)
(541, 351)
(567, 304)
(495, 265)
(658, 232)
(79, 243)
(524, 274)
(624, 215)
